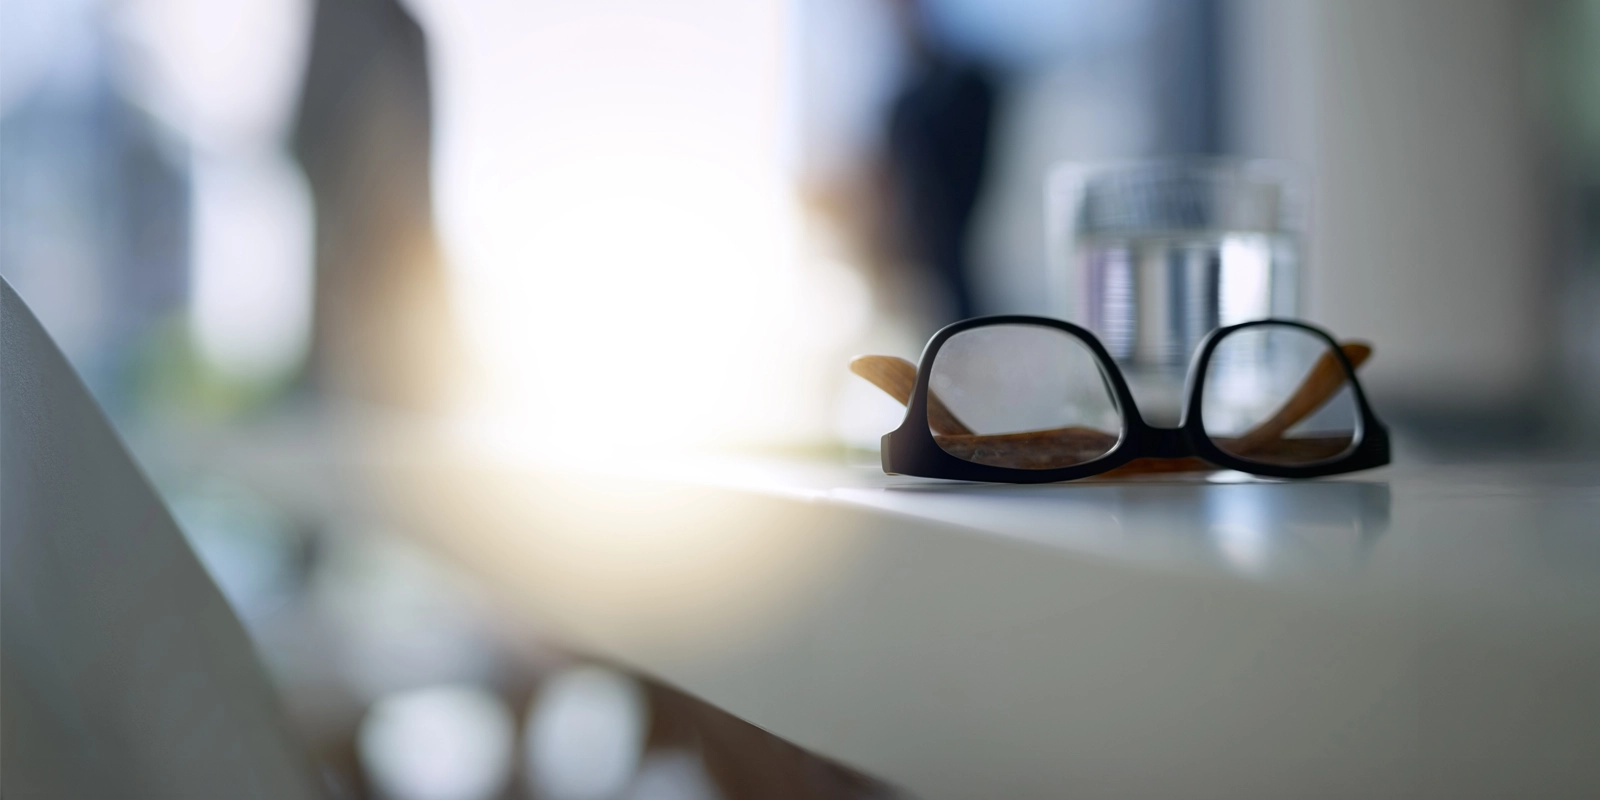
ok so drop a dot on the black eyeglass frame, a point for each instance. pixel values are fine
(911, 449)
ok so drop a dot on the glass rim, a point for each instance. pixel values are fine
(1175, 194)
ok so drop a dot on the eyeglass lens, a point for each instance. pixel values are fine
(1021, 396)
(1277, 394)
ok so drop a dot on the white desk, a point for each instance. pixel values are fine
(1403, 633)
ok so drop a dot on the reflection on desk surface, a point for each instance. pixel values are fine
(1250, 526)
(1419, 625)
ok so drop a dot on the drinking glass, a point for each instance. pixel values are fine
(1153, 255)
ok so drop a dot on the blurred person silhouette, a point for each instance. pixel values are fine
(382, 330)
(938, 142)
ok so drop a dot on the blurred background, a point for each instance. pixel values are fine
(265, 229)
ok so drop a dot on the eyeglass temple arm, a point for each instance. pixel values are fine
(1318, 387)
(898, 377)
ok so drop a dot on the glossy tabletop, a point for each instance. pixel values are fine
(1417, 631)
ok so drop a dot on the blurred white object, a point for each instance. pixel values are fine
(614, 179)
(1429, 234)
(404, 619)
(226, 74)
(226, 77)
(672, 775)
(438, 743)
(251, 248)
(125, 673)
(586, 731)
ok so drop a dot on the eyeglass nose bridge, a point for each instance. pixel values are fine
(1165, 443)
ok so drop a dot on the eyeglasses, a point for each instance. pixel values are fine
(1020, 399)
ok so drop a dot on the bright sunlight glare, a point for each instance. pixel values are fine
(615, 200)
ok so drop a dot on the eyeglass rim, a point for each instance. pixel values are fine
(911, 449)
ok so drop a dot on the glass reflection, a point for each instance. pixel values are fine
(1260, 528)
